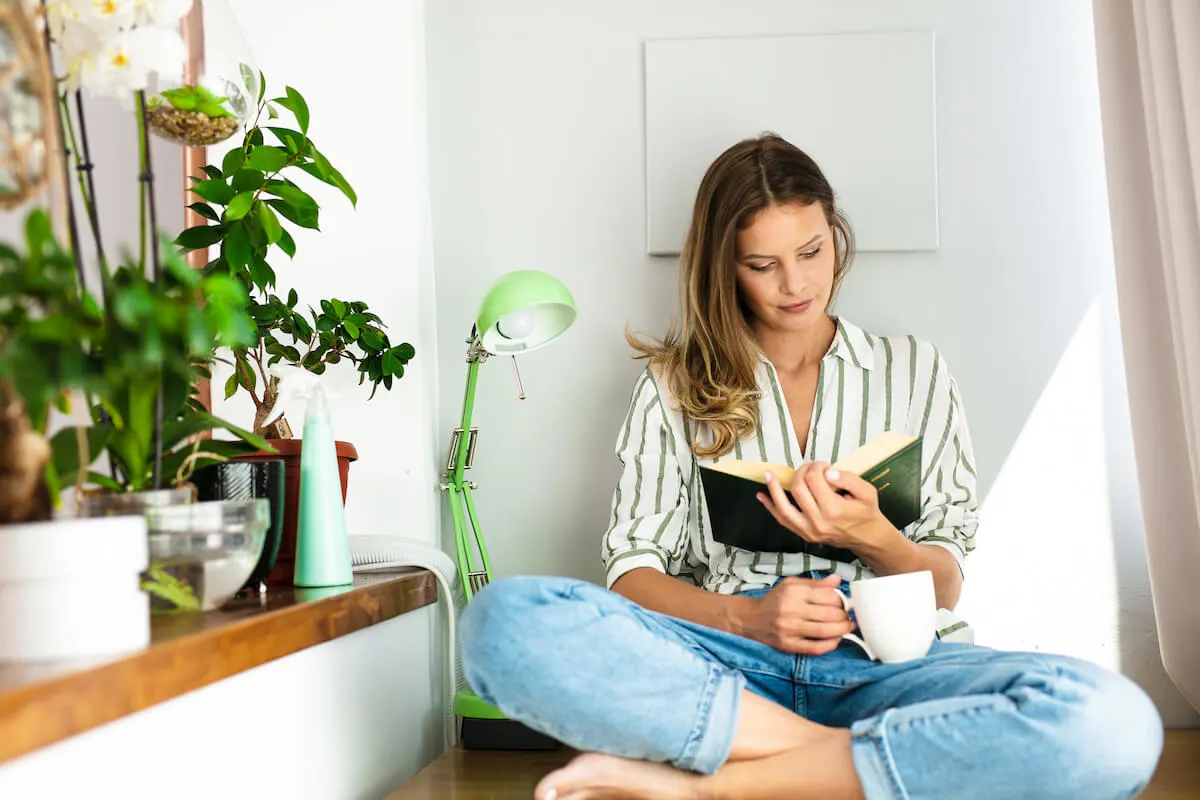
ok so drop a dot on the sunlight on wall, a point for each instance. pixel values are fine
(1048, 516)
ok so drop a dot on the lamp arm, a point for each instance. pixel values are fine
(455, 474)
(466, 527)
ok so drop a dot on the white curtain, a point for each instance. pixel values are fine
(1149, 64)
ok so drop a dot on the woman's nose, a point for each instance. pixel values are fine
(793, 279)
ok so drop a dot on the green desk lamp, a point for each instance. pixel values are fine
(521, 311)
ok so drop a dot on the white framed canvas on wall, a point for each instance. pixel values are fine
(862, 105)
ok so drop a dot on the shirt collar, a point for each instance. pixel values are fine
(851, 343)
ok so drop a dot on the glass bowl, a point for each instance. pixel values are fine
(119, 504)
(219, 92)
(202, 553)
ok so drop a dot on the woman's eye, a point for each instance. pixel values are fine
(810, 253)
(760, 267)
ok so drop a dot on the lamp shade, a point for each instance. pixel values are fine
(522, 311)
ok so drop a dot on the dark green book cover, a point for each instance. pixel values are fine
(891, 462)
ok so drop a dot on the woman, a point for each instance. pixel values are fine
(710, 672)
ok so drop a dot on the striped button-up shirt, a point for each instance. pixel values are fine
(867, 385)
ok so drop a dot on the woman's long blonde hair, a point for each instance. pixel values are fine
(710, 357)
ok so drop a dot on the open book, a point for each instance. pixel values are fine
(890, 461)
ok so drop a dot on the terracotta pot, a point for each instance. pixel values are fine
(289, 451)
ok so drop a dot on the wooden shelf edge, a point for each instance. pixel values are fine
(40, 713)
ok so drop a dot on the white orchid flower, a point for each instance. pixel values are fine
(103, 17)
(125, 63)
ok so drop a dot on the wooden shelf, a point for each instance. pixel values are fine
(44, 703)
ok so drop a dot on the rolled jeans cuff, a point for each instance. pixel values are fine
(873, 762)
(711, 739)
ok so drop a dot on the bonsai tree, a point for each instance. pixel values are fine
(250, 201)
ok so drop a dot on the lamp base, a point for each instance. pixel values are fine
(484, 727)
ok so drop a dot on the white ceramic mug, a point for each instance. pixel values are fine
(896, 614)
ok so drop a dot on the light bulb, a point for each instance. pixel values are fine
(516, 325)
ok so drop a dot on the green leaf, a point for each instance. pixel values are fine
(237, 248)
(267, 159)
(372, 340)
(200, 236)
(270, 223)
(286, 243)
(184, 98)
(206, 211)
(239, 206)
(247, 78)
(212, 172)
(248, 180)
(199, 422)
(290, 193)
(231, 386)
(304, 331)
(325, 323)
(262, 274)
(104, 482)
(214, 191)
(64, 450)
(233, 161)
(262, 86)
(327, 174)
(339, 309)
(294, 141)
(405, 351)
(199, 337)
(351, 329)
(295, 103)
(304, 217)
(293, 298)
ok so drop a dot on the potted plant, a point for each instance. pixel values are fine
(250, 201)
(133, 350)
(68, 588)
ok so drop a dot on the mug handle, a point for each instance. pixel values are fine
(848, 605)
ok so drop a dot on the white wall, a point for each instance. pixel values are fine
(535, 119)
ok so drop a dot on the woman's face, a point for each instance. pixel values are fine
(785, 263)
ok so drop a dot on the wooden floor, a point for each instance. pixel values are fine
(492, 775)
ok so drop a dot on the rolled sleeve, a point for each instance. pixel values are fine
(949, 505)
(649, 509)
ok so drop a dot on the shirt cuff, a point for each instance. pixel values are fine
(630, 560)
(954, 550)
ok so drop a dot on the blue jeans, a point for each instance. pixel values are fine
(598, 672)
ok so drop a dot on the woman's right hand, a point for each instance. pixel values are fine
(799, 615)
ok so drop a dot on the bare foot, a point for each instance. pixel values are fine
(595, 776)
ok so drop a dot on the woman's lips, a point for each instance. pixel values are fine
(796, 308)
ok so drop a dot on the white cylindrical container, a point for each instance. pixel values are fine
(70, 589)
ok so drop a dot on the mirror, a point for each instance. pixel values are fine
(26, 105)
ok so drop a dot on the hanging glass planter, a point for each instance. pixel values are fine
(219, 92)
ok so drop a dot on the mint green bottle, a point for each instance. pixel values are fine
(322, 552)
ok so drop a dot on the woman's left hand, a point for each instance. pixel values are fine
(820, 514)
